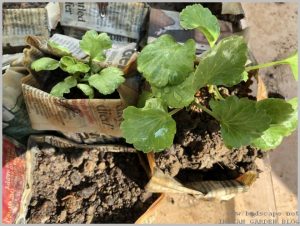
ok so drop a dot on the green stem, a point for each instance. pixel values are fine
(218, 94)
(250, 68)
(205, 109)
(174, 111)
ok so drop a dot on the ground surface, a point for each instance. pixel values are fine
(273, 35)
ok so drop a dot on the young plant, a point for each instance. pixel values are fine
(174, 79)
(86, 75)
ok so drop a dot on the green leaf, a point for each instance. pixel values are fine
(271, 138)
(224, 64)
(245, 76)
(196, 16)
(177, 96)
(278, 109)
(284, 121)
(241, 121)
(293, 62)
(156, 103)
(58, 49)
(94, 44)
(45, 64)
(86, 89)
(72, 66)
(148, 129)
(145, 95)
(165, 62)
(292, 123)
(108, 80)
(64, 87)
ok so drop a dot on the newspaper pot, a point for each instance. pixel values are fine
(97, 116)
(194, 188)
(23, 19)
(173, 171)
(67, 182)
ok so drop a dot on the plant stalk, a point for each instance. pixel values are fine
(218, 94)
(174, 111)
(205, 109)
(250, 68)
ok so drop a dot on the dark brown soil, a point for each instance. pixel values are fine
(89, 186)
(199, 153)
(76, 93)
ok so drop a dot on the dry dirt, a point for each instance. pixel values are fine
(87, 186)
(200, 153)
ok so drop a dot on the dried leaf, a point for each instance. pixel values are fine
(262, 92)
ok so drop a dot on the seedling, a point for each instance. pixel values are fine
(86, 75)
(174, 79)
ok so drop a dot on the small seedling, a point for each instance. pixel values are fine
(174, 78)
(86, 75)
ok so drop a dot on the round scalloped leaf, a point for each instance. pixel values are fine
(278, 109)
(94, 44)
(45, 64)
(155, 103)
(177, 96)
(148, 129)
(108, 80)
(241, 121)
(165, 62)
(224, 64)
(198, 17)
(64, 87)
(58, 49)
(284, 121)
(72, 66)
(86, 89)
